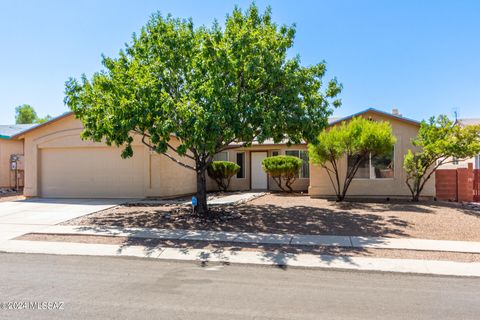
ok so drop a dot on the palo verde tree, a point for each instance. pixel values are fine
(438, 141)
(357, 140)
(205, 87)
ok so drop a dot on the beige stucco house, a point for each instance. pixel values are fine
(9, 147)
(380, 177)
(60, 164)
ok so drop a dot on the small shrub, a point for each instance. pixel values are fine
(222, 172)
(283, 169)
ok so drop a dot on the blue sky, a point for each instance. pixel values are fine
(422, 57)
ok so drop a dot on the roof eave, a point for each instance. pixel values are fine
(400, 118)
(22, 133)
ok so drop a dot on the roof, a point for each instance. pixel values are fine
(379, 112)
(10, 130)
(469, 121)
(331, 121)
(66, 114)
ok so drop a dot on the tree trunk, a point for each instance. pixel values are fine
(415, 197)
(202, 208)
(278, 181)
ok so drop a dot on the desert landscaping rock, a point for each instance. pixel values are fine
(277, 213)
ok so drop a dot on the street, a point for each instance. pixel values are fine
(128, 288)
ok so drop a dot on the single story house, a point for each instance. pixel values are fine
(381, 176)
(59, 164)
(9, 147)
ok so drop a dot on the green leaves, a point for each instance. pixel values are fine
(282, 169)
(206, 86)
(358, 138)
(25, 114)
(438, 140)
(222, 172)
(282, 165)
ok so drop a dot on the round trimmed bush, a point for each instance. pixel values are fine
(222, 172)
(283, 169)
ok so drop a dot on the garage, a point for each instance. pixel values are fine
(90, 172)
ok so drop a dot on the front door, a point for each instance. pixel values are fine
(259, 177)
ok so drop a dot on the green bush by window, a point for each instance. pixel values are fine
(283, 169)
(222, 172)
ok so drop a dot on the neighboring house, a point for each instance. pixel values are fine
(382, 176)
(59, 164)
(9, 147)
(463, 163)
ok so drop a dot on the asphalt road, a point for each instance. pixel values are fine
(123, 288)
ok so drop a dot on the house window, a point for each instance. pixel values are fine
(221, 156)
(241, 163)
(455, 161)
(302, 154)
(477, 162)
(275, 153)
(377, 167)
(363, 171)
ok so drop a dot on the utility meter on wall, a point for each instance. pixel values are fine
(13, 161)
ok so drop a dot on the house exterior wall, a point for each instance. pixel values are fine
(238, 184)
(164, 178)
(167, 178)
(462, 163)
(161, 176)
(321, 186)
(7, 148)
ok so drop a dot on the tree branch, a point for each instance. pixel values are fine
(167, 155)
(176, 151)
(179, 162)
(331, 179)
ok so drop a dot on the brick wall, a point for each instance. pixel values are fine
(476, 185)
(446, 184)
(455, 184)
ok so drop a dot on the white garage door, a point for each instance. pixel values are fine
(96, 172)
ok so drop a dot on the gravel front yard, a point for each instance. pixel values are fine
(297, 214)
(10, 195)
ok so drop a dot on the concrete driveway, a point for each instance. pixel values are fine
(24, 216)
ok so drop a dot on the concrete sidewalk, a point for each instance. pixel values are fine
(264, 238)
(42, 215)
(449, 268)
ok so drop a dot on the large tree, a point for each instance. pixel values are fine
(439, 141)
(205, 86)
(354, 141)
(25, 114)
